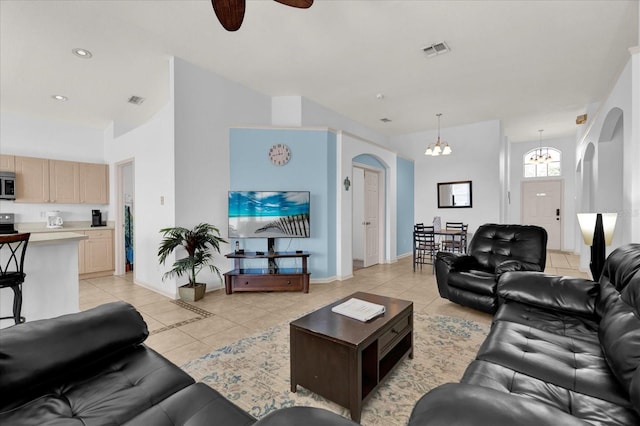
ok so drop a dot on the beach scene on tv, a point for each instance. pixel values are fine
(264, 214)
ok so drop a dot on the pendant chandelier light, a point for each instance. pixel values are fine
(438, 147)
(538, 156)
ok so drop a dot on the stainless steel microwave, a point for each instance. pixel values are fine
(7, 186)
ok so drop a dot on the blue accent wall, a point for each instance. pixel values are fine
(312, 167)
(368, 160)
(405, 206)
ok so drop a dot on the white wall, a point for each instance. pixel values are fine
(314, 114)
(566, 146)
(476, 157)
(628, 224)
(36, 137)
(350, 146)
(151, 148)
(206, 107)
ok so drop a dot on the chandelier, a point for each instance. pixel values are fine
(538, 156)
(438, 147)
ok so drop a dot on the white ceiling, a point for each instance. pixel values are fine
(533, 64)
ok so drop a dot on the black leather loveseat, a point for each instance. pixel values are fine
(561, 351)
(470, 279)
(92, 369)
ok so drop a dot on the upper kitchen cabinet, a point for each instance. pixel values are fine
(7, 163)
(64, 182)
(32, 180)
(94, 183)
(39, 180)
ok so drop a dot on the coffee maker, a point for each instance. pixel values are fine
(96, 218)
(54, 220)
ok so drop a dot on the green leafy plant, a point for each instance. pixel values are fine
(198, 242)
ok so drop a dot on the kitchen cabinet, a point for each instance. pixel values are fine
(7, 163)
(94, 183)
(64, 182)
(95, 254)
(32, 180)
(39, 180)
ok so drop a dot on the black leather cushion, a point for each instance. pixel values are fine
(108, 391)
(493, 244)
(509, 383)
(566, 294)
(307, 416)
(196, 405)
(573, 364)
(556, 322)
(71, 341)
(476, 281)
(620, 331)
(455, 404)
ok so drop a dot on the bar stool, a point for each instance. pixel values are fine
(12, 250)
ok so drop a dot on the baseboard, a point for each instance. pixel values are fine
(173, 296)
(322, 280)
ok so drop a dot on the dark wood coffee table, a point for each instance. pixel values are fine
(344, 359)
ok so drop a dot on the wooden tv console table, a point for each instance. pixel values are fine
(272, 278)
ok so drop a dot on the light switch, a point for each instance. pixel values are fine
(162, 200)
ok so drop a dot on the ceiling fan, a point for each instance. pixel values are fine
(230, 13)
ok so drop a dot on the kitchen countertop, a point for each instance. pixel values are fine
(78, 226)
(41, 238)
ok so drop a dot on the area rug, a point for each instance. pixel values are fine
(254, 371)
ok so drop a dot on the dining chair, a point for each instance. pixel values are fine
(455, 243)
(12, 250)
(425, 246)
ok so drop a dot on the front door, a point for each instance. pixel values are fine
(542, 205)
(371, 225)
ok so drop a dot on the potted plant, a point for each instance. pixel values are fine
(199, 243)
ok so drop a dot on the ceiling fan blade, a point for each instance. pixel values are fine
(230, 13)
(302, 4)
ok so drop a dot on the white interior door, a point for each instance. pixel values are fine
(542, 203)
(371, 220)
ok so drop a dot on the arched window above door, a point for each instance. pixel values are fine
(542, 162)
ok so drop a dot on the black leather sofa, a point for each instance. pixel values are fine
(561, 351)
(470, 279)
(92, 368)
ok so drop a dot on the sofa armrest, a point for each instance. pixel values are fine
(42, 353)
(456, 261)
(555, 292)
(517, 265)
(463, 404)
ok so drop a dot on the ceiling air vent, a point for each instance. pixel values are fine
(436, 49)
(136, 100)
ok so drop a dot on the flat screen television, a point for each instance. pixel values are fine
(269, 214)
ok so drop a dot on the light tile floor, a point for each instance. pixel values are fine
(183, 332)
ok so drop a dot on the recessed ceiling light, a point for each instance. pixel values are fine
(60, 98)
(82, 53)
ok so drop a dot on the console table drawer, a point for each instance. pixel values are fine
(389, 338)
(269, 282)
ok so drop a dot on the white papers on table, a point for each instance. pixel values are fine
(359, 309)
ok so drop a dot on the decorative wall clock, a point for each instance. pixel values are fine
(279, 154)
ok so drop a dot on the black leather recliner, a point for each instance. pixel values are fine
(470, 279)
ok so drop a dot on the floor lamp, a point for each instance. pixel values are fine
(597, 232)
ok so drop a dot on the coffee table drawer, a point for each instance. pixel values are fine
(398, 330)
